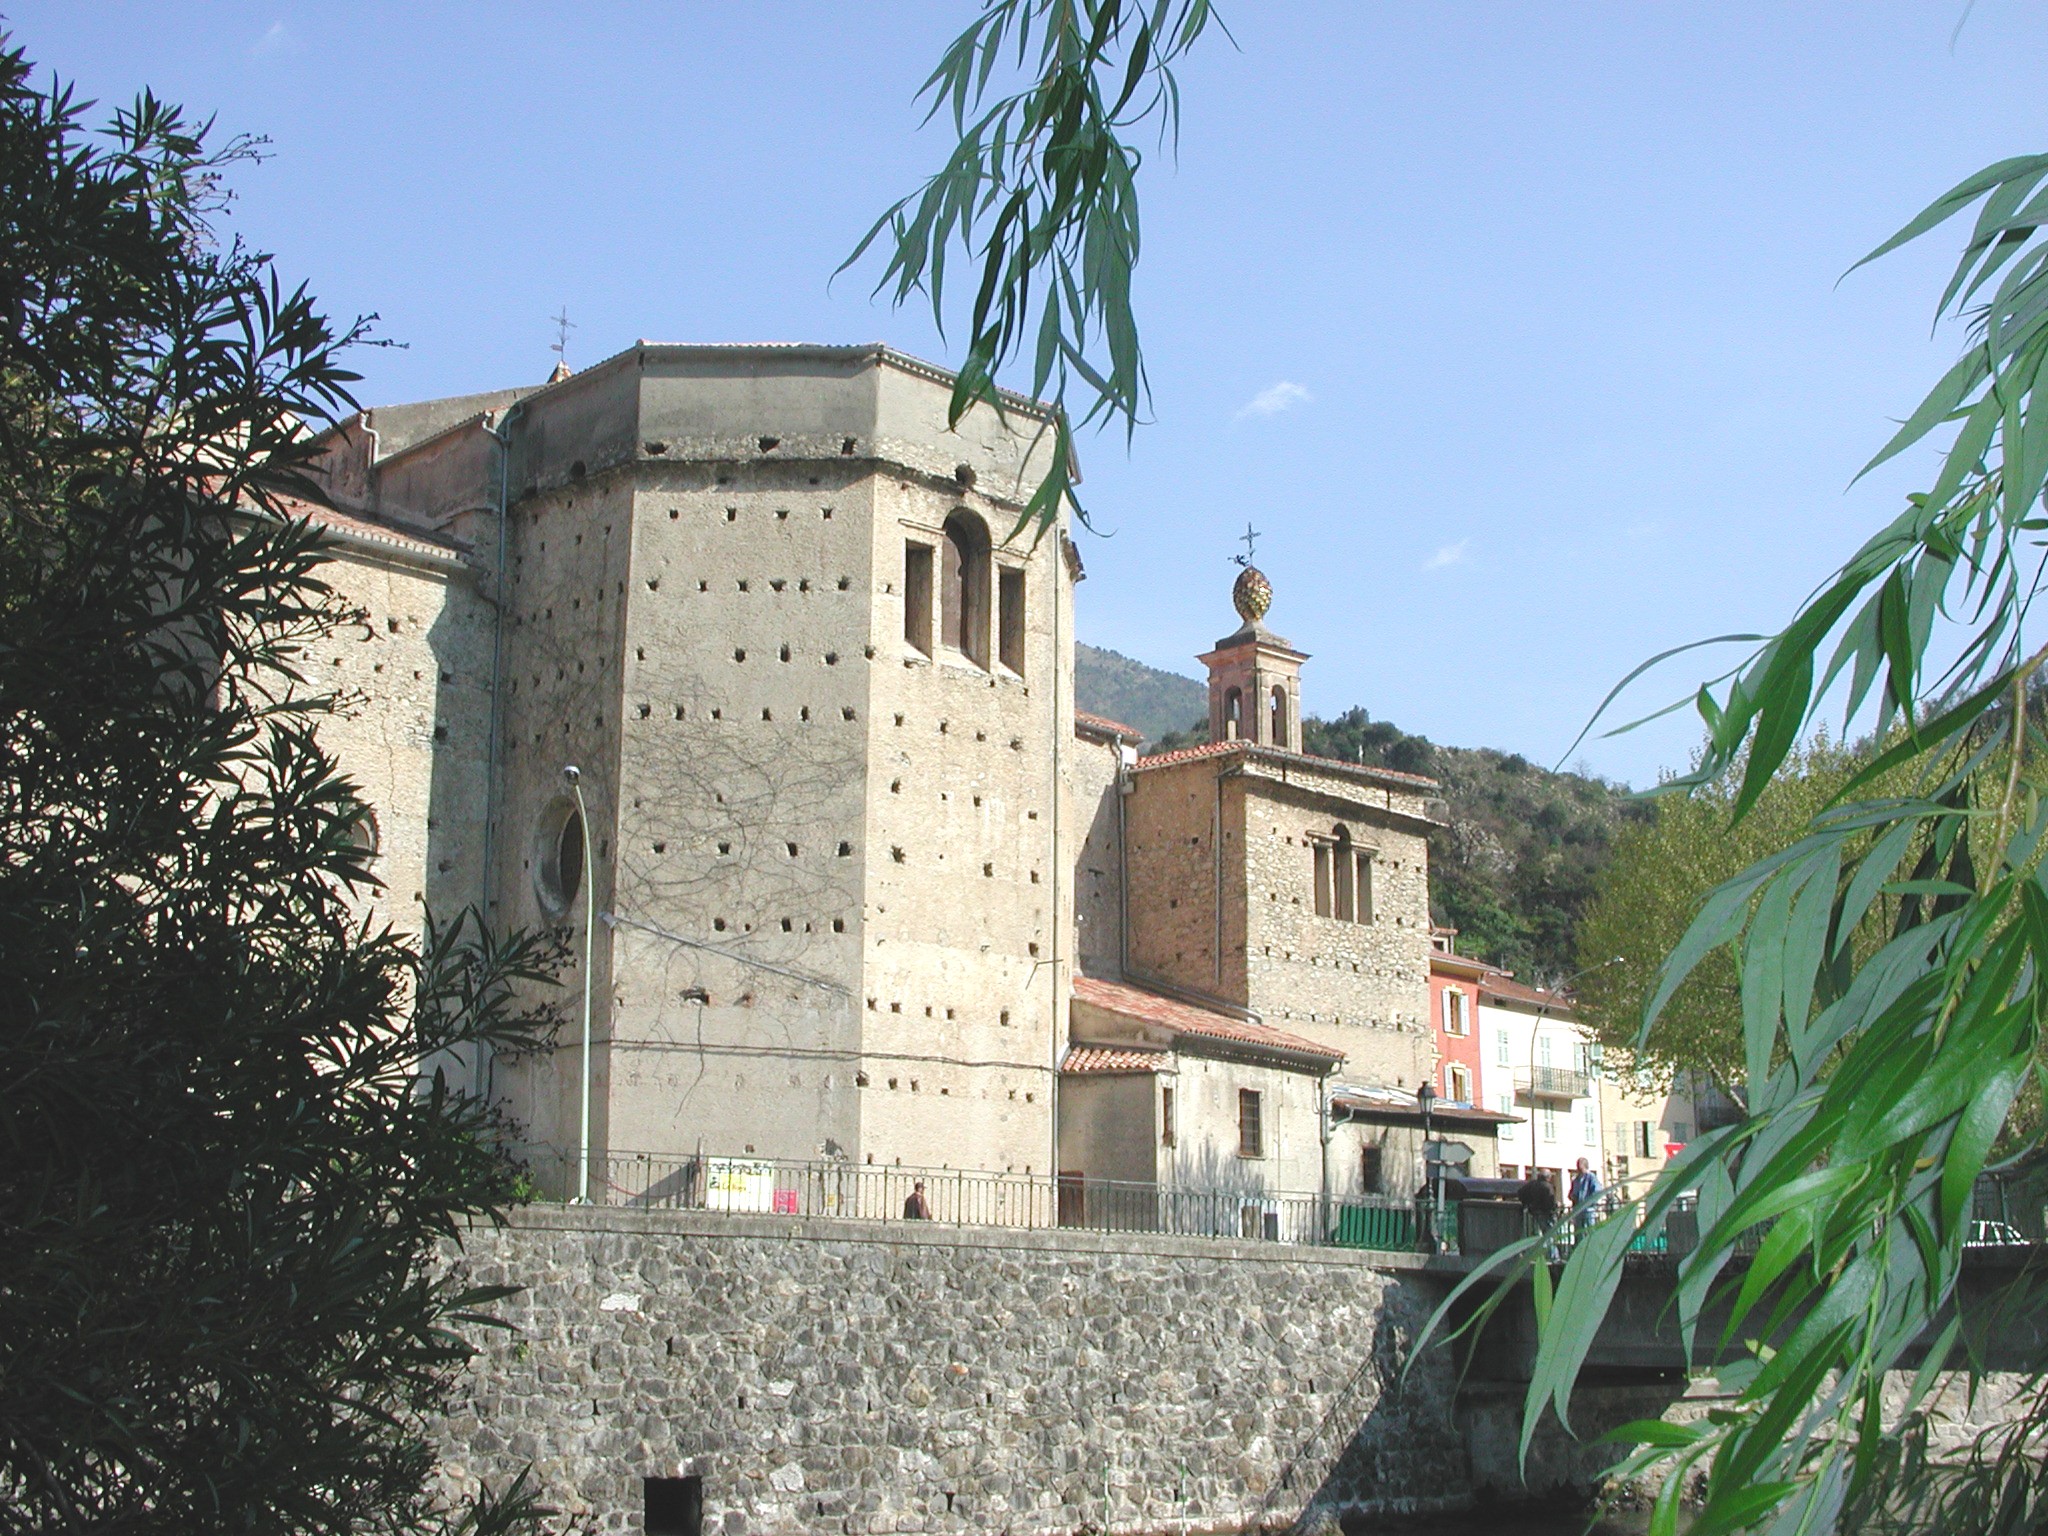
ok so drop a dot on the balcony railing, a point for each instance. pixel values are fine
(959, 1197)
(1552, 1083)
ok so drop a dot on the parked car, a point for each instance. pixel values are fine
(1994, 1234)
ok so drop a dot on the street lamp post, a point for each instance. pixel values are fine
(574, 776)
(1432, 1182)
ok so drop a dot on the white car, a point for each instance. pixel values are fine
(1994, 1234)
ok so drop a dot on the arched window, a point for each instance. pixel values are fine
(1233, 714)
(1344, 866)
(1279, 723)
(963, 591)
(363, 835)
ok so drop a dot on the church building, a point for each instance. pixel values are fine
(866, 888)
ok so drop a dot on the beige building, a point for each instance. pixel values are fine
(770, 607)
(1288, 894)
(846, 836)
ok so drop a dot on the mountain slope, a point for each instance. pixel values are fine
(1154, 701)
(1513, 867)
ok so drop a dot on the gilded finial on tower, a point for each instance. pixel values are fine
(1252, 594)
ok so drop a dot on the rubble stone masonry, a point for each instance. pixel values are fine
(835, 1376)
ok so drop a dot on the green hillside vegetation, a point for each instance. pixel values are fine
(1149, 699)
(1515, 865)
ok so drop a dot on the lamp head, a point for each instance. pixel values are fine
(570, 774)
(1426, 1095)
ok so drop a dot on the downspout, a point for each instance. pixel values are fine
(1323, 1128)
(1123, 866)
(1061, 724)
(501, 435)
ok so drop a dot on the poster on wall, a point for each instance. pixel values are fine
(738, 1184)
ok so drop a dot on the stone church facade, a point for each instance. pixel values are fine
(867, 888)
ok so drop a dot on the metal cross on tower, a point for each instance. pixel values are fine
(1249, 539)
(563, 326)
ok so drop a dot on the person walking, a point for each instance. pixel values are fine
(916, 1207)
(1585, 1193)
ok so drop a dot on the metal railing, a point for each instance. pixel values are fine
(965, 1197)
(1552, 1083)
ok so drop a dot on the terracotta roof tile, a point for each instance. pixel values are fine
(1104, 726)
(1187, 1019)
(1111, 1058)
(1281, 754)
(369, 529)
(1500, 986)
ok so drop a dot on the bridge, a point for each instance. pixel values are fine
(2003, 1296)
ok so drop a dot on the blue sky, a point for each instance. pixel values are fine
(1515, 329)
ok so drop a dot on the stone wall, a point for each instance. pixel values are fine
(866, 1378)
(1361, 987)
(414, 679)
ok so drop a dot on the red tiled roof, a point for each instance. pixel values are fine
(1255, 749)
(1500, 986)
(1111, 1058)
(1187, 1019)
(366, 529)
(1104, 726)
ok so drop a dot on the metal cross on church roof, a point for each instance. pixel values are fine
(1249, 540)
(563, 326)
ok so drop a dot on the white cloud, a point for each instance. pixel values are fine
(1274, 399)
(1449, 554)
(276, 40)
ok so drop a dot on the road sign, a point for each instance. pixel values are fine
(1455, 1153)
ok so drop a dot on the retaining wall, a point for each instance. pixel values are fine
(832, 1375)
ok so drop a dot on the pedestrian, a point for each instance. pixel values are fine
(916, 1207)
(1584, 1197)
(1585, 1193)
(1538, 1198)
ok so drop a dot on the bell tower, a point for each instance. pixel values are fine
(1254, 674)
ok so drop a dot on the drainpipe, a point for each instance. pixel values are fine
(1062, 722)
(1124, 787)
(575, 778)
(1323, 1129)
(487, 1063)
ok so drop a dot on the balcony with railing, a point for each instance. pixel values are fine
(1552, 1083)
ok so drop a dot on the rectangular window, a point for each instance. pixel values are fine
(1547, 1121)
(1511, 1170)
(1010, 620)
(672, 1506)
(1250, 1135)
(1454, 1011)
(1642, 1143)
(917, 595)
(1591, 1123)
(1322, 878)
(1543, 1050)
(1461, 1084)
(1365, 888)
(1500, 1047)
(1371, 1172)
(1507, 1103)
(1166, 1117)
